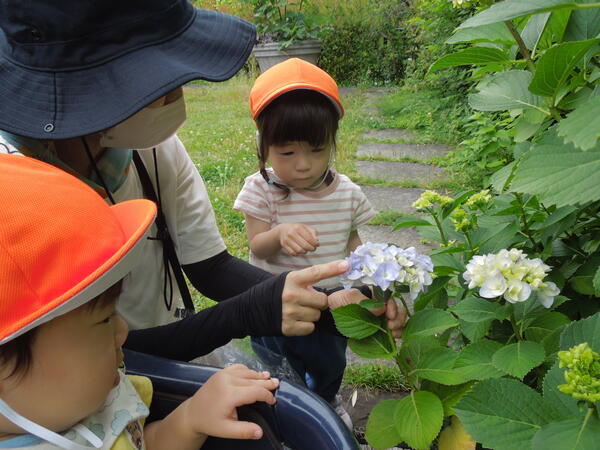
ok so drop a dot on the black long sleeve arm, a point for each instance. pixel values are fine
(224, 276)
(255, 312)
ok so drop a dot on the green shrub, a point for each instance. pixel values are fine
(365, 42)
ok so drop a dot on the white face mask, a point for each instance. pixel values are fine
(147, 128)
(49, 435)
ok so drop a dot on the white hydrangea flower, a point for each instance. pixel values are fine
(510, 274)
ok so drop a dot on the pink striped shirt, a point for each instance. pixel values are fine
(333, 212)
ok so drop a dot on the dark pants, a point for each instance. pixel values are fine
(319, 358)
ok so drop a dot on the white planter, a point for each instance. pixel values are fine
(268, 55)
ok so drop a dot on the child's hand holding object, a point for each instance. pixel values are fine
(297, 238)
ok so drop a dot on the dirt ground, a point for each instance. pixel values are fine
(365, 401)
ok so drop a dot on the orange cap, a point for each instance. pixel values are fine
(292, 74)
(61, 245)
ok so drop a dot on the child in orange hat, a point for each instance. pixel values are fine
(63, 254)
(299, 211)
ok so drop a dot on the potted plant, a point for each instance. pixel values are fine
(284, 31)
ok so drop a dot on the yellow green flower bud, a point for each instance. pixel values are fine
(582, 374)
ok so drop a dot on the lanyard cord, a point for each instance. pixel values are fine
(97, 171)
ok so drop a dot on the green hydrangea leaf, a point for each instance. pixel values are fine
(509, 9)
(471, 56)
(585, 330)
(474, 362)
(428, 322)
(475, 331)
(418, 418)
(495, 32)
(564, 403)
(438, 365)
(476, 309)
(519, 358)
(353, 321)
(381, 426)
(449, 395)
(505, 90)
(553, 68)
(504, 414)
(560, 174)
(578, 433)
(582, 126)
(377, 345)
(545, 324)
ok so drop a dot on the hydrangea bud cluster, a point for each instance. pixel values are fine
(479, 200)
(510, 274)
(461, 221)
(429, 199)
(388, 266)
(582, 374)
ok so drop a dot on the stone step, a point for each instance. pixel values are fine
(392, 198)
(423, 174)
(399, 150)
(391, 134)
(404, 237)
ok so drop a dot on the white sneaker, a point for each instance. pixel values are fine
(338, 405)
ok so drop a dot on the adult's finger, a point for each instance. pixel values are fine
(314, 274)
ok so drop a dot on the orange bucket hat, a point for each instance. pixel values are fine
(290, 75)
(61, 245)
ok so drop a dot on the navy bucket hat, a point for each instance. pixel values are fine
(74, 67)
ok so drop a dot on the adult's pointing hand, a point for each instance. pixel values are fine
(301, 304)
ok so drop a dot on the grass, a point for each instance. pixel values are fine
(375, 376)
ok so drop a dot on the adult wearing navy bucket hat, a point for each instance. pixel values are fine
(85, 84)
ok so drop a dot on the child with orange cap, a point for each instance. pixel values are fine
(63, 255)
(300, 212)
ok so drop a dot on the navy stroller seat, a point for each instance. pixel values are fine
(300, 420)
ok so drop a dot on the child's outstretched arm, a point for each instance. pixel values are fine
(212, 411)
(294, 238)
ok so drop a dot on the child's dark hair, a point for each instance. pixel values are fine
(18, 351)
(299, 115)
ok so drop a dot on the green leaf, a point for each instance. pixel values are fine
(553, 68)
(495, 32)
(404, 223)
(476, 309)
(578, 433)
(428, 323)
(559, 173)
(505, 90)
(510, 9)
(449, 395)
(500, 179)
(412, 352)
(545, 324)
(475, 331)
(470, 56)
(377, 345)
(438, 365)
(584, 330)
(519, 358)
(582, 126)
(381, 426)
(582, 280)
(436, 294)
(584, 24)
(371, 303)
(419, 418)
(504, 414)
(475, 361)
(354, 321)
(563, 403)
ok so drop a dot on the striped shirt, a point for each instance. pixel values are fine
(333, 212)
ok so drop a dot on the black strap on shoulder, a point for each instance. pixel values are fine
(169, 254)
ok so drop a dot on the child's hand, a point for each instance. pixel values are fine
(297, 238)
(211, 410)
